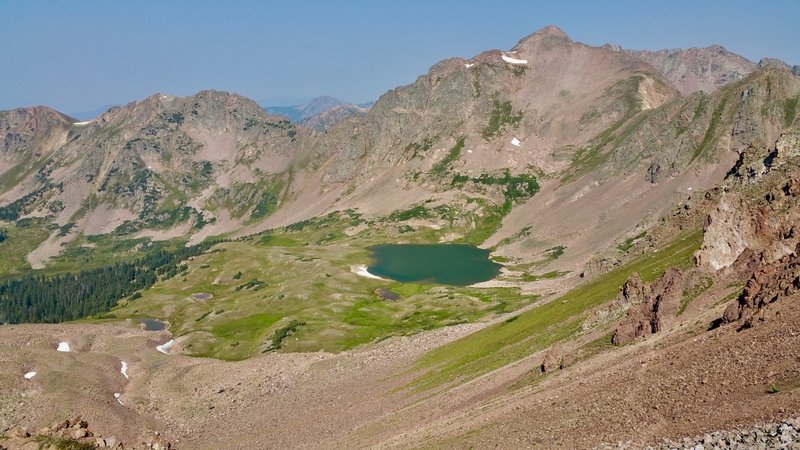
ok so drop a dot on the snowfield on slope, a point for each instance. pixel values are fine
(511, 60)
(165, 347)
(361, 270)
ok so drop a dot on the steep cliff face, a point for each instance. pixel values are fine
(744, 220)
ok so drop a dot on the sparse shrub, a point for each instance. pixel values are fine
(441, 167)
(282, 333)
(502, 115)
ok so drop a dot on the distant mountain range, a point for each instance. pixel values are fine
(319, 113)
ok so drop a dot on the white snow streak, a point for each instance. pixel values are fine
(362, 271)
(165, 347)
(29, 375)
(511, 60)
(515, 142)
(63, 347)
(124, 370)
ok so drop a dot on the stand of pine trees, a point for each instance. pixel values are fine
(39, 298)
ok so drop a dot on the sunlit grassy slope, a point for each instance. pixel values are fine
(544, 325)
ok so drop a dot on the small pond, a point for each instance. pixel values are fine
(452, 264)
(153, 324)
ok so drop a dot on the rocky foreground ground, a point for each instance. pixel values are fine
(776, 435)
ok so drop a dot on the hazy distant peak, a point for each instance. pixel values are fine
(695, 69)
(773, 62)
(328, 110)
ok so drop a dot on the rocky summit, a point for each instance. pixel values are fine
(195, 272)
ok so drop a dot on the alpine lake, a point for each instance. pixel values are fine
(449, 264)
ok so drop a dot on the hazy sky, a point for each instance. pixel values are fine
(79, 55)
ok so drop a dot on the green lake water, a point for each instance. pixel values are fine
(453, 264)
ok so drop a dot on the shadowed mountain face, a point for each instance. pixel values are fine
(568, 113)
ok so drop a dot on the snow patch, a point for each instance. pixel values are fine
(63, 347)
(361, 270)
(468, 65)
(124, 370)
(515, 142)
(511, 60)
(469, 151)
(29, 375)
(165, 347)
(87, 122)
(117, 396)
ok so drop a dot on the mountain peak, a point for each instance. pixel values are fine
(548, 33)
(552, 30)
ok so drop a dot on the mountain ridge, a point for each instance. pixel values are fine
(417, 118)
(644, 215)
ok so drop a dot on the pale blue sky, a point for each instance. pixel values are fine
(80, 55)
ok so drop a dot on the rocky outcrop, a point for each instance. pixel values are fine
(632, 293)
(657, 310)
(770, 283)
(727, 231)
(552, 360)
(778, 435)
(74, 434)
(764, 224)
